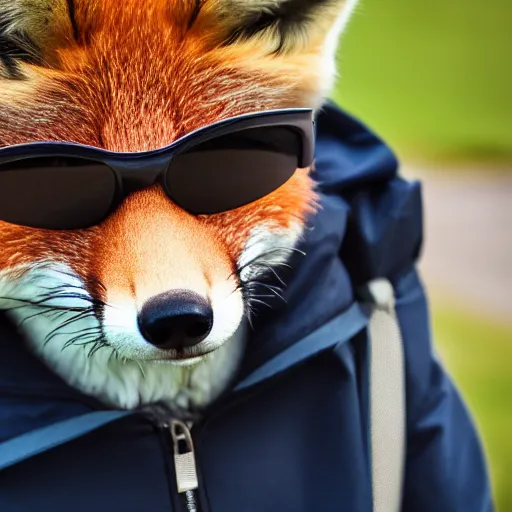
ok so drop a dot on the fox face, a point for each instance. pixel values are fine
(149, 305)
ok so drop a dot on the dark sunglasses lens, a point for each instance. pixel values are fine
(234, 170)
(55, 192)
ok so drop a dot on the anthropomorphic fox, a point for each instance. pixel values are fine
(131, 76)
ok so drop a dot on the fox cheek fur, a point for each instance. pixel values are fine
(130, 80)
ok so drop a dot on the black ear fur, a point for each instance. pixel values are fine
(15, 47)
(284, 17)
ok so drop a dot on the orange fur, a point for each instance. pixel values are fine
(137, 78)
(153, 257)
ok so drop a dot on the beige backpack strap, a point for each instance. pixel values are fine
(387, 398)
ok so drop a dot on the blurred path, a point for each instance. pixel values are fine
(468, 243)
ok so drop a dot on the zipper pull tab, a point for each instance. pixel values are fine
(184, 457)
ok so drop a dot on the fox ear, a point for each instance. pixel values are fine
(285, 26)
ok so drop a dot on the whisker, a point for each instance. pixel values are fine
(141, 369)
(99, 345)
(263, 255)
(75, 318)
(81, 344)
(81, 339)
(258, 301)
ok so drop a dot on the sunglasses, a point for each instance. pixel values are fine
(220, 167)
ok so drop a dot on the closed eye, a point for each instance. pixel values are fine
(15, 47)
(285, 16)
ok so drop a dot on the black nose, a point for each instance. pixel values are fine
(176, 320)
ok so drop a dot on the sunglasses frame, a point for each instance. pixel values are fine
(138, 170)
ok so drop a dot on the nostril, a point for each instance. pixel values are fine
(176, 320)
(198, 326)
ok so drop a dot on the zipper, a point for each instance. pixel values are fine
(185, 469)
(184, 454)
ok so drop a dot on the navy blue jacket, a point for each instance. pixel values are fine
(292, 435)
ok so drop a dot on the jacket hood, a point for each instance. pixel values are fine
(319, 308)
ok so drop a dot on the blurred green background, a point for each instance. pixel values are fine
(435, 80)
(435, 77)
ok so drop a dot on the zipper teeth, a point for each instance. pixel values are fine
(191, 502)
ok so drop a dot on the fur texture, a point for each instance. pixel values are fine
(133, 76)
